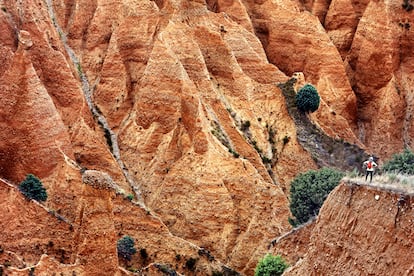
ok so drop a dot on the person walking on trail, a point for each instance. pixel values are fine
(370, 167)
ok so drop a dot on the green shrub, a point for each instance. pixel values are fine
(245, 125)
(132, 269)
(126, 247)
(7, 263)
(235, 153)
(166, 269)
(32, 188)
(309, 190)
(353, 174)
(266, 160)
(307, 99)
(143, 252)
(270, 266)
(401, 163)
(407, 5)
(191, 264)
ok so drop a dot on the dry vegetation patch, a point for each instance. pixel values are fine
(398, 183)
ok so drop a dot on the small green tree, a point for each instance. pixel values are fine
(191, 264)
(271, 266)
(126, 248)
(32, 188)
(401, 163)
(307, 98)
(309, 190)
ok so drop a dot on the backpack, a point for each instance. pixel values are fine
(369, 165)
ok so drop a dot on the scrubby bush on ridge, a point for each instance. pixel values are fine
(309, 190)
(126, 248)
(271, 266)
(401, 163)
(307, 98)
(32, 188)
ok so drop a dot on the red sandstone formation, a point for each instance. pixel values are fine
(177, 103)
(293, 245)
(361, 230)
(380, 67)
(40, 239)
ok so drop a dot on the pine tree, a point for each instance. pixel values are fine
(32, 188)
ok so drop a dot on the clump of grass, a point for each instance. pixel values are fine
(245, 126)
(392, 177)
(266, 160)
(220, 135)
(235, 153)
(272, 133)
(353, 174)
(406, 5)
(79, 68)
(286, 140)
(132, 269)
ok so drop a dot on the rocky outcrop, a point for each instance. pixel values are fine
(361, 230)
(374, 40)
(293, 245)
(170, 82)
(180, 105)
(95, 238)
(295, 41)
(165, 137)
(44, 115)
(41, 240)
(366, 85)
(379, 67)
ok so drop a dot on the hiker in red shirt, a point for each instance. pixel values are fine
(369, 165)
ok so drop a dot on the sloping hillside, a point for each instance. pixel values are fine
(35, 238)
(361, 230)
(187, 106)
